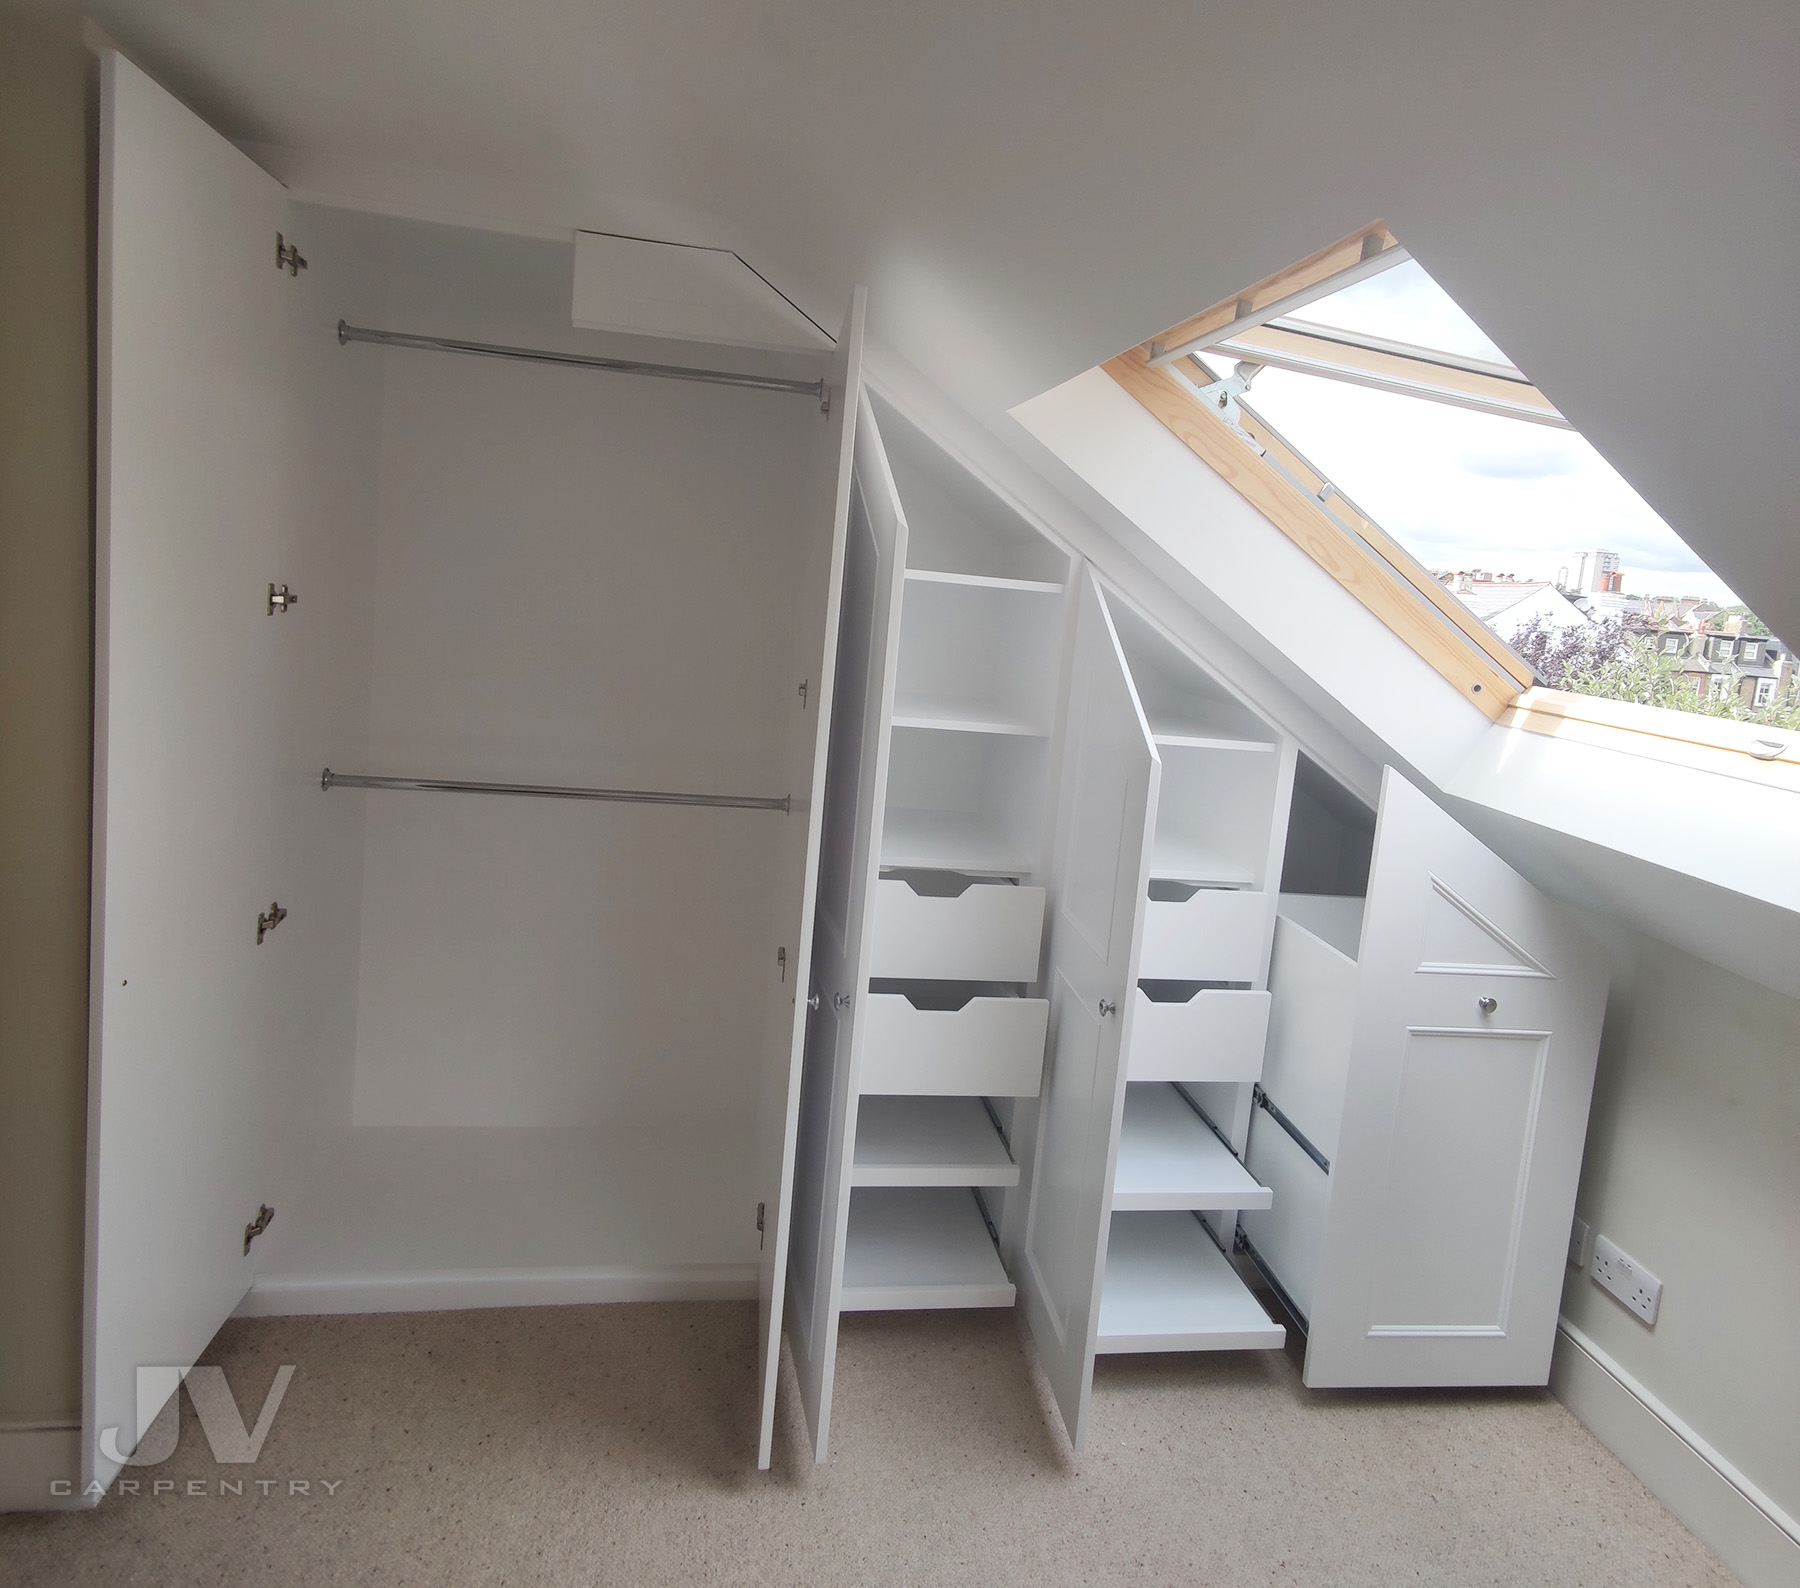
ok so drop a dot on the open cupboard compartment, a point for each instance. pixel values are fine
(931, 1022)
(387, 1048)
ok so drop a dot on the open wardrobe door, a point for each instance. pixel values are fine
(815, 650)
(184, 1098)
(849, 863)
(1477, 1024)
(1106, 816)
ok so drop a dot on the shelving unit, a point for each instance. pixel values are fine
(1169, 1288)
(950, 1033)
(1180, 1181)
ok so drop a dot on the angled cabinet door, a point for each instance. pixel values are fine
(1471, 1064)
(849, 863)
(815, 651)
(1105, 818)
(183, 1094)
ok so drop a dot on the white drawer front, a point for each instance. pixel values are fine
(987, 933)
(1218, 1035)
(1218, 935)
(991, 1047)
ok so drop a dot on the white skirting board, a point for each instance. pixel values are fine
(38, 1463)
(1745, 1528)
(457, 1290)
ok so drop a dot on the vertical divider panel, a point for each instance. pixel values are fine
(1106, 817)
(791, 939)
(849, 863)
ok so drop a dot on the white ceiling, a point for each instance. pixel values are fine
(1610, 187)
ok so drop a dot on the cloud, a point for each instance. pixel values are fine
(1520, 463)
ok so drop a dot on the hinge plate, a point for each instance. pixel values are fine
(264, 1216)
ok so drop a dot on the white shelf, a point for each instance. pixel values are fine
(1175, 858)
(1168, 1288)
(960, 716)
(982, 581)
(916, 1248)
(949, 841)
(1169, 1159)
(929, 1141)
(1173, 735)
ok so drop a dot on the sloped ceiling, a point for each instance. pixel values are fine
(1611, 187)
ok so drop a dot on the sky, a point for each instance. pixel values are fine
(1460, 489)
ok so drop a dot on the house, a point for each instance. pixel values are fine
(575, 535)
(1508, 605)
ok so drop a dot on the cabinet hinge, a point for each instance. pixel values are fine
(264, 1216)
(759, 1226)
(267, 922)
(281, 599)
(805, 683)
(288, 256)
(781, 962)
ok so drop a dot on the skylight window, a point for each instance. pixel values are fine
(1407, 424)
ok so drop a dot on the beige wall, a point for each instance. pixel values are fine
(45, 686)
(1693, 1167)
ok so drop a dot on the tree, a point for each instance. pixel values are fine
(1608, 660)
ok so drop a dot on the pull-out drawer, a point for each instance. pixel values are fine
(1217, 1035)
(991, 1047)
(988, 932)
(1219, 934)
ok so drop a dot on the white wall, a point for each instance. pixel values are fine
(581, 578)
(1693, 1167)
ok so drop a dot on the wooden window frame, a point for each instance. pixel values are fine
(1364, 558)
(1388, 580)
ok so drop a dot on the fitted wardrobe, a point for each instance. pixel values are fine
(581, 820)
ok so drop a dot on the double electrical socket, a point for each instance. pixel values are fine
(1630, 1281)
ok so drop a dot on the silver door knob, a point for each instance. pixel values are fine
(1487, 1005)
(813, 1002)
(1108, 1007)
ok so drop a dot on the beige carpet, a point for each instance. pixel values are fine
(613, 1445)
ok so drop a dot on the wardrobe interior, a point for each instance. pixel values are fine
(537, 1025)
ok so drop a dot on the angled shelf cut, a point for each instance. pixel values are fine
(982, 581)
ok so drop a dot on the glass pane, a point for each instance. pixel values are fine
(1404, 305)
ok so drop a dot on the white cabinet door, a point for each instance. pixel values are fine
(797, 875)
(849, 863)
(184, 1114)
(1105, 818)
(1477, 1023)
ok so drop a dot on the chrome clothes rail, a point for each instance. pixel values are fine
(816, 389)
(625, 796)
